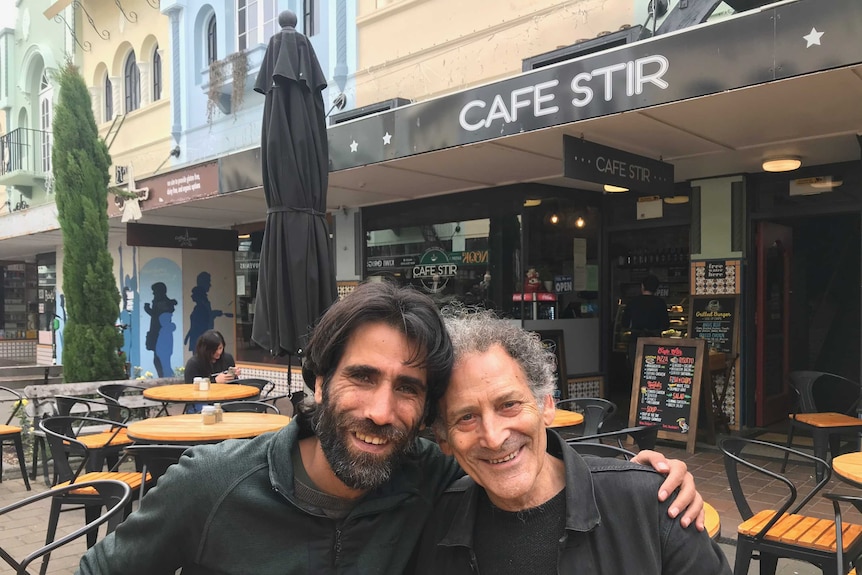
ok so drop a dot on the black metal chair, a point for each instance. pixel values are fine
(154, 460)
(107, 440)
(264, 386)
(121, 396)
(784, 531)
(595, 410)
(600, 449)
(250, 407)
(644, 437)
(13, 432)
(826, 408)
(115, 496)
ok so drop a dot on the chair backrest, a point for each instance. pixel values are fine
(60, 435)
(644, 436)
(601, 449)
(739, 451)
(821, 392)
(264, 386)
(595, 410)
(114, 494)
(250, 407)
(11, 396)
(155, 460)
(112, 393)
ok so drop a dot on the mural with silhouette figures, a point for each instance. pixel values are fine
(163, 278)
(130, 297)
(203, 315)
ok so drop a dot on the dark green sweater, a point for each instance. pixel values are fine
(230, 509)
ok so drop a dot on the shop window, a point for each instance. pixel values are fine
(212, 40)
(132, 77)
(257, 21)
(109, 99)
(157, 74)
(310, 16)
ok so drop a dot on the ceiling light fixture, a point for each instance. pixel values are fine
(614, 189)
(580, 222)
(676, 200)
(826, 183)
(555, 219)
(532, 203)
(782, 164)
(244, 236)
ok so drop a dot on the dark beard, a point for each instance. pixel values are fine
(361, 471)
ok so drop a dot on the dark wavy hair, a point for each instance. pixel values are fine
(403, 308)
(207, 345)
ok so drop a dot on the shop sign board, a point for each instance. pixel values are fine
(465, 258)
(715, 319)
(176, 187)
(180, 237)
(563, 284)
(591, 162)
(782, 41)
(434, 270)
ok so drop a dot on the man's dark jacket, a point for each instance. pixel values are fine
(614, 524)
(230, 509)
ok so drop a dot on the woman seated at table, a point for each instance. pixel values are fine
(211, 361)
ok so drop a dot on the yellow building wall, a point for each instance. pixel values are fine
(143, 138)
(419, 49)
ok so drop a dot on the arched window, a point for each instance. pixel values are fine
(157, 74)
(46, 120)
(109, 99)
(132, 76)
(212, 40)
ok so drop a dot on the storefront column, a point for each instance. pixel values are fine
(718, 218)
(347, 228)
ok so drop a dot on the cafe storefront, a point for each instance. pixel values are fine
(486, 170)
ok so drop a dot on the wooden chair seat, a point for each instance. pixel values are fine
(131, 478)
(711, 520)
(105, 439)
(801, 530)
(9, 430)
(827, 419)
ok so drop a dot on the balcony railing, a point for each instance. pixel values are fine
(25, 157)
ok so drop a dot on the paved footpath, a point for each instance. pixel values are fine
(24, 530)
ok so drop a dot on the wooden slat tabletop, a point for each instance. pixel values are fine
(185, 392)
(190, 429)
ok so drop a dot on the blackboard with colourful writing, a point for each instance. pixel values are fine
(715, 320)
(666, 387)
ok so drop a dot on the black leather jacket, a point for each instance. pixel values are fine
(608, 501)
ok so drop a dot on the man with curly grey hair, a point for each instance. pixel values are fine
(531, 504)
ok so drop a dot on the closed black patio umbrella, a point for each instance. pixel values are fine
(297, 280)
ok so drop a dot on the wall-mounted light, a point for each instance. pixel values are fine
(614, 189)
(676, 200)
(580, 222)
(554, 219)
(532, 203)
(782, 164)
(244, 236)
(826, 182)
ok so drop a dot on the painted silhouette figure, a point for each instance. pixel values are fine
(203, 315)
(161, 304)
(165, 345)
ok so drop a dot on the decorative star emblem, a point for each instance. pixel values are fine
(387, 139)
(813, 38)
(353, 146)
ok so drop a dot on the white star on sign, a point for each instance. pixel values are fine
(387, 139)
(813, 38)
(353, 146)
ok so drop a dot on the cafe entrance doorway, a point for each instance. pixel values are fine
(807, 305)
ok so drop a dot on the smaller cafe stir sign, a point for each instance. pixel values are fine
(591, 162)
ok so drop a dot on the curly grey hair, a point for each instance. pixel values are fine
(478, 332)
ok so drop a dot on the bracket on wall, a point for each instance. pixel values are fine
(156, 4)
(86, 46)
(131, 16)
(103, 34)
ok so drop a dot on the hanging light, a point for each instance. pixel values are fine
(782, 164)
(532, 203)
(554, 219)
(580, 222)
(614, 189)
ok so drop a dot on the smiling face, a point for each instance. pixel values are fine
(496, 430)
(372, 407)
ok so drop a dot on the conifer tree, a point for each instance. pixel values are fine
(80, 164)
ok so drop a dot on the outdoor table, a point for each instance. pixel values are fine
(189, 429)
(566, 418)
(185, 393)
(711, 521)
(848, 467)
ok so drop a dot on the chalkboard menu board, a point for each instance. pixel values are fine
(666, 390)
(715, 319)
(553, 340)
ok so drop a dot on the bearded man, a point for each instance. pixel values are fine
(346, 487)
